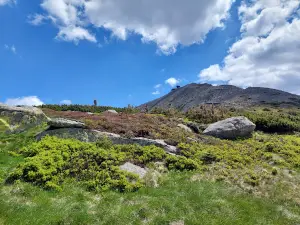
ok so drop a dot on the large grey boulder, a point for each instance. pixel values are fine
(22, 118)
(87, 135)
(129, 167)
(232, 128)
(65, 123)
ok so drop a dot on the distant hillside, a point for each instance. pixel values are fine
(192, 95)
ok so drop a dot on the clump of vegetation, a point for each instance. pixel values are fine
(207, 113)
(96, 165)
(3, 125)
(274, 120)
(170, 112)
(248, 163)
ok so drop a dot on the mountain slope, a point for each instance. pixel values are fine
(193, 95)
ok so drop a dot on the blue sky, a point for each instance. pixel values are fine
(38, 57)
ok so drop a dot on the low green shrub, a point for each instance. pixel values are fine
(275, 121)
(248, 161)
(96, 165)
(181, 163)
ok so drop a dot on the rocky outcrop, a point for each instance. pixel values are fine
(65, 123)
(193, 95)
(22, 118)
(87, 135)
(232, 128)
(129, 167)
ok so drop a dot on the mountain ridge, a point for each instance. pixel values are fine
(192, 95)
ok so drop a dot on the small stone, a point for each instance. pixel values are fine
(129, 167)
(180, 222)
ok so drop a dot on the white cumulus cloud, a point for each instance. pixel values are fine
(167, 23)
(28, 101)
(268, 52)
(172, 81)
(66, 102)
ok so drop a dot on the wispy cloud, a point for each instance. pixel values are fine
(37, 19)
(66, 102)
(7, 2)
(157, 91)
(11, 48)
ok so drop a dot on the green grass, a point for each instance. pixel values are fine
(178, 198)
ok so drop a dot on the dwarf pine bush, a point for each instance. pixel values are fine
(250, 160)
(96, 165)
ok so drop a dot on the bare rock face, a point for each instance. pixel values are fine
(22, 118)
(232, 128)
(87, 135)
(65, 123)
(129, 167)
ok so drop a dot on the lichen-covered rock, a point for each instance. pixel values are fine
(129, 167)
(232, 128)
(65, 123)
(184, 127)
(22, 118)
(87, 135)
